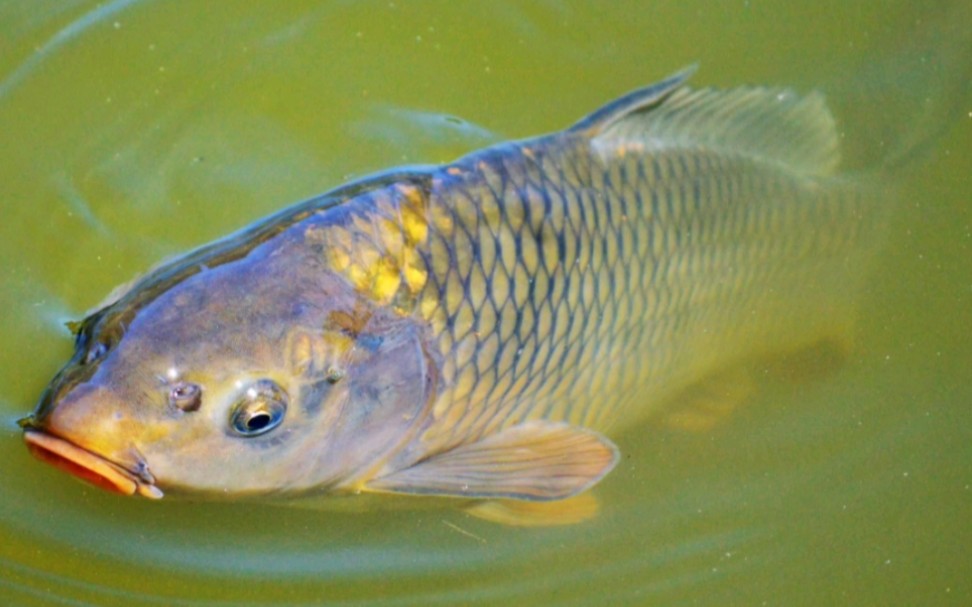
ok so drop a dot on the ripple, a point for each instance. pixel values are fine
(58, 40)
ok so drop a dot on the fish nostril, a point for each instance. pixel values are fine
(186, 396)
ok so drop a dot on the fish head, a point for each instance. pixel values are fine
(244, 379)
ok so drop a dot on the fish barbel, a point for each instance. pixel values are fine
(474, 330)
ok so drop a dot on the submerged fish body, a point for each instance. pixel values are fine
(474, 329)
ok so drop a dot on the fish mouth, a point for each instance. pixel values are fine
(95, 469)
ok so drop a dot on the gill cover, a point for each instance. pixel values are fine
(386, 380)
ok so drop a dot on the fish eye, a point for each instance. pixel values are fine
(185, 396)
(96, 352)
(259, 410)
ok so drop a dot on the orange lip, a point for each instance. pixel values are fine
(87, 466)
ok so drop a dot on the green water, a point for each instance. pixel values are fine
(134, 130)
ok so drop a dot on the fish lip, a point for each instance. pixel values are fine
(91, 467)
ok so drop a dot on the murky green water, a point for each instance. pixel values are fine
(134, 130)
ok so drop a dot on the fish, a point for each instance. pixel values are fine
(477, 330)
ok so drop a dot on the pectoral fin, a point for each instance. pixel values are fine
(704, 405)
(536, 460)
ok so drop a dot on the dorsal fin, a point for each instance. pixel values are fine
(639, 99)
(773, 124)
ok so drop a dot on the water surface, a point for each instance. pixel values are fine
(135, 130)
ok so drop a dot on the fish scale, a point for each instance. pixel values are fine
(649, 249)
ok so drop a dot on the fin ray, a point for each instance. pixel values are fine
(772, 124)
(536, 460)
(637, 100)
